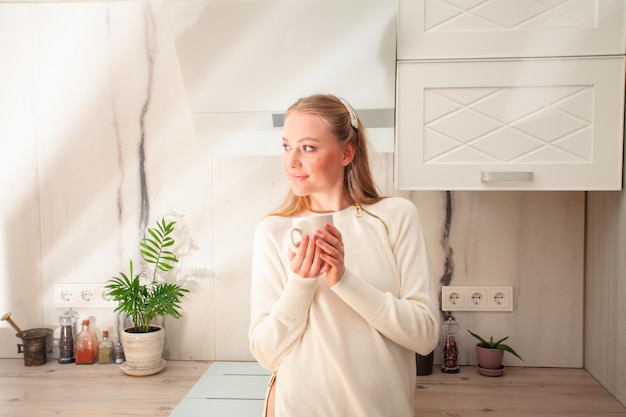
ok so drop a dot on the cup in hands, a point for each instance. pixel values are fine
(307, 225)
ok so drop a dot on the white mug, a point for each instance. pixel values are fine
(307, 225)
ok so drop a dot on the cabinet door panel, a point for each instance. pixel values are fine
(430, 29)
(510, 124)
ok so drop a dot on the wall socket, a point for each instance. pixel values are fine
(82, 295)
(476, 298)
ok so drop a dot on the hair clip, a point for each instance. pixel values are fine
(353, 120)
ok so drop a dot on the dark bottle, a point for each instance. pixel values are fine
(66, 339)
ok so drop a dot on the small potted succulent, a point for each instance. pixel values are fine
(490, 354)
(144, 296)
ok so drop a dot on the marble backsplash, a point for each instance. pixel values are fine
(99, 140)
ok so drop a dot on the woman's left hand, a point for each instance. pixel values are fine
(331, 245)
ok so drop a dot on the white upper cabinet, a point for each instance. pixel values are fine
(429, 29)
(510, 95)
(549, 124)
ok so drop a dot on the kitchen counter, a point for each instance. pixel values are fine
(92, 390)
(185, 386)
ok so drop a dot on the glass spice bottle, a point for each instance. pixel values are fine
(86, 345)
(119, 353)
(105, 349)
(450, 363)
(66, 339)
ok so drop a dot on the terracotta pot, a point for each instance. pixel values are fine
(489, 358)
(143, 350)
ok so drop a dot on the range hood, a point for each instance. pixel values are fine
(244, 62)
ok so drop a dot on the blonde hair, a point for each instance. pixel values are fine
(357, 178)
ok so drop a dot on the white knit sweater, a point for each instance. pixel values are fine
(346, 351)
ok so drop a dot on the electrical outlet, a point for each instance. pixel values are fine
(64, 295)
(87, 295)
(476, 298)
(454, 299)
(500, 298)
(103, 293)
(82, 295)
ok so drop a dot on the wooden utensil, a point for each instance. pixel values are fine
(7, 317)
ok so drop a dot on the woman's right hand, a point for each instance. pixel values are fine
(306, 261)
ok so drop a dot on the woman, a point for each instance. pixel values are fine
(339, 318)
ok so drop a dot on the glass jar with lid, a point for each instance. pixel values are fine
(450, 362)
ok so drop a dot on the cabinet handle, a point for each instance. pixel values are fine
(493, 176)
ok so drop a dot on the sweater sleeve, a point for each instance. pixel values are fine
(410, 318)
(280, 301)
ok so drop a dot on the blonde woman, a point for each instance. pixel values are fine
(339, 317)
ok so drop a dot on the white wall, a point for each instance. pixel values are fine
(605, 290)
(83, 83)
(91, 86)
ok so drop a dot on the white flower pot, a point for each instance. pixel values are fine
(143, 350)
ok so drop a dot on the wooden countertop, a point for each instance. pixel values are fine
(520, 392)
(92, 390)
(104, 390)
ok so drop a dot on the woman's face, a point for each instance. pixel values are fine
(313, 159)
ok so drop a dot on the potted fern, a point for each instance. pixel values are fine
(143, 296)
(490, 354)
